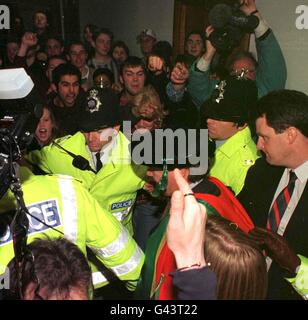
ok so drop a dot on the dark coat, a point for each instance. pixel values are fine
(260, 186)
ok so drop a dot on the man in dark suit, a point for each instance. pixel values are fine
(275, 193)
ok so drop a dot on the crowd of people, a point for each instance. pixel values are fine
(103, 225)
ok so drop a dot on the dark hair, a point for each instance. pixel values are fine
(55, 265)
(13, 38)
(55, 129)
(102, 31)
(163, 49)
(75, 43)
(55, 37)
(133, 62)
(283, 109)
(44, 12)
(63, 70)
(241, 55)
(60, 57)
(237, 261)
(108, 73)
(198, 32)
(121, 44)
(92, 27)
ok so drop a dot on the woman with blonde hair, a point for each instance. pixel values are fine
(148, 107)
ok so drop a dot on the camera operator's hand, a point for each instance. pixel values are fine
(186, 227)
(156, 65)
(210, 50)
(179, 75)
(277, 248)
(248, 6)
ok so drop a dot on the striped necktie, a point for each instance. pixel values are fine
(99, 164)
(280, 204)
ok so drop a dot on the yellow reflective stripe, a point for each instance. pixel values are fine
(122, 269)
(114, 247)
(69, 208)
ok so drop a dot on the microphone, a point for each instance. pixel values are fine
(79, 161)
(220, 15)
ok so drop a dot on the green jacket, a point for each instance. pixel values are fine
(63, 203)
(233, 159)
(271, 72)
(114, 186)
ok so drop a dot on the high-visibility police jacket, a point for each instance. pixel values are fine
(63, 203)
(114, 186)
(233, 159)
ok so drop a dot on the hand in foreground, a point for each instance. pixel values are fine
(156, 65)
(186, 227)
(276, 247)
(248, 6)
(179, 74)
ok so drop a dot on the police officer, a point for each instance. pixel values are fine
(53, 205)
(226, 115)
(61, 204)
(110, 178)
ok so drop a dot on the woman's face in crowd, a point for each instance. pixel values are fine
(43, 131)
(119, 54)
(88, 34)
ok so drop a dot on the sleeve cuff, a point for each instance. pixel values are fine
(261, 28)
(203, 65)
(300, 282)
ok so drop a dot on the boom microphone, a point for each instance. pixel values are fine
(220, 15)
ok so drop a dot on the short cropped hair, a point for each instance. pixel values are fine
(132, 62)
(283, 109)
(56, 37)
(75, 42)
(63, 70)
(102, 31)
(120, 44)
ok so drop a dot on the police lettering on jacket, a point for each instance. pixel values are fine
(46, 211)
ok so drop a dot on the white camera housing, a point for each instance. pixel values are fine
(14, 83)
